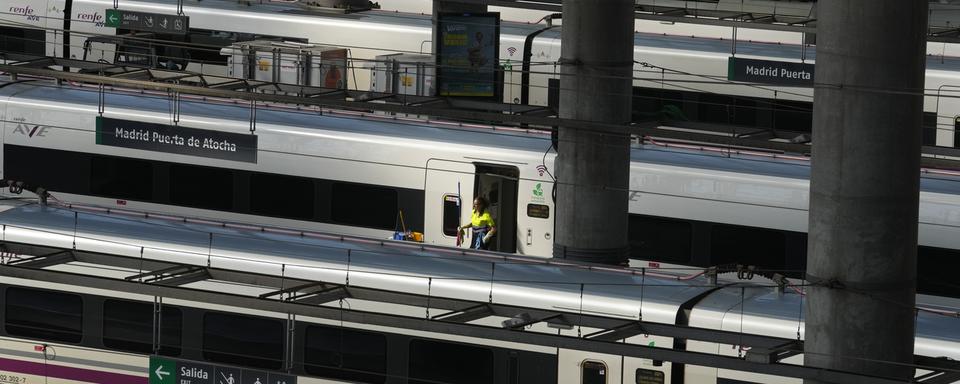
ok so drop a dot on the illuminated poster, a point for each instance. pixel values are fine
(468, 53)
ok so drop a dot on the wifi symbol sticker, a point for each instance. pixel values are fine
(511, 50)
(541, 169)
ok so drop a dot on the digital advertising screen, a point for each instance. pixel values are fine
(468, 54)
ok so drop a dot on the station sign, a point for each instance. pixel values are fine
(770, 72)
(148, 22)
(176, 139)
(174, 371)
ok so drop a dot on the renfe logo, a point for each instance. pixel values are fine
(25, 11)
(96, 18)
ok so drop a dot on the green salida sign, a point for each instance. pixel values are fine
(162, 371)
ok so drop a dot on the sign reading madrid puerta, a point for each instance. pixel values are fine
(177, 139)
(770, 72)
(149, 22)
(174, 371)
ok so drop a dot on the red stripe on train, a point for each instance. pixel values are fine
(69, 373)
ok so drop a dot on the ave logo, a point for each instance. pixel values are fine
(25, 129)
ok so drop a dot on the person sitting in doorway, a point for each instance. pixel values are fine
(482, 224)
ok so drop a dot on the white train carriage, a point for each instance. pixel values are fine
(685, 72)
(82, 334)
(688, 206)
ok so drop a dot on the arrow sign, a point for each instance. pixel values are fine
(161, 371)
(113, 18)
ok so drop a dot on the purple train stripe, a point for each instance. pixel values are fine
(68, 373)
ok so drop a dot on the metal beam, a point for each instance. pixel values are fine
(55, 258)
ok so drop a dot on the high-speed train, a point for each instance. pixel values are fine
(375, 175)
(686, 72)
(64, 331)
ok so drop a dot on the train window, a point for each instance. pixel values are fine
(936, 268)
(23, 40)
(660, 239)
(791, 115)
(649, 376)
(451, 214)
(201, 187)
(243, 340)
(128, 326)
(44, 315)
(54, 170)
(282, 196)
(930, 128)
(715, 108)
(121, 178)
(435, 361)
(539, 211)
(363, 205)
(735, 244)
(956, 132)
(346, 354)
(593, 372)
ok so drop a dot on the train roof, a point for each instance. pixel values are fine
(763, 311)
(389, 265)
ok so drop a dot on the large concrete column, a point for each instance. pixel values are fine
(593, 166)
(864, 185)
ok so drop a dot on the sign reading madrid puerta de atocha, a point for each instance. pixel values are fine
(175, 371)
(770, 72)
(148, 22)
(177, 139)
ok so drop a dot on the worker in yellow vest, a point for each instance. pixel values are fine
(482, 224)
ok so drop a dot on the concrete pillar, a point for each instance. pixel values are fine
(593, 166)
(451, 6)
(864, 185)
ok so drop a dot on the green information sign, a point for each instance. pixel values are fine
(162, 371)
(113, 18)
(175, 371)
(148, 22)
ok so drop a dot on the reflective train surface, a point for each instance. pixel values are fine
(372, 176)
(66, 332)
(676, 67)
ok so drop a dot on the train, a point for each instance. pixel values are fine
(677, 68)
(64, 329)
(374, 175)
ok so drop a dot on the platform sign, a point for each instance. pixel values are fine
(148, 22)
(468, 54)
(770, 72)
(176, 139)
(174, 371)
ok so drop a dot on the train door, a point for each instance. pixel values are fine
(578, 367)
(448, 190)
(948, 105)
(498, 184)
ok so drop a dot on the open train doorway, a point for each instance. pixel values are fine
(499, 184)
